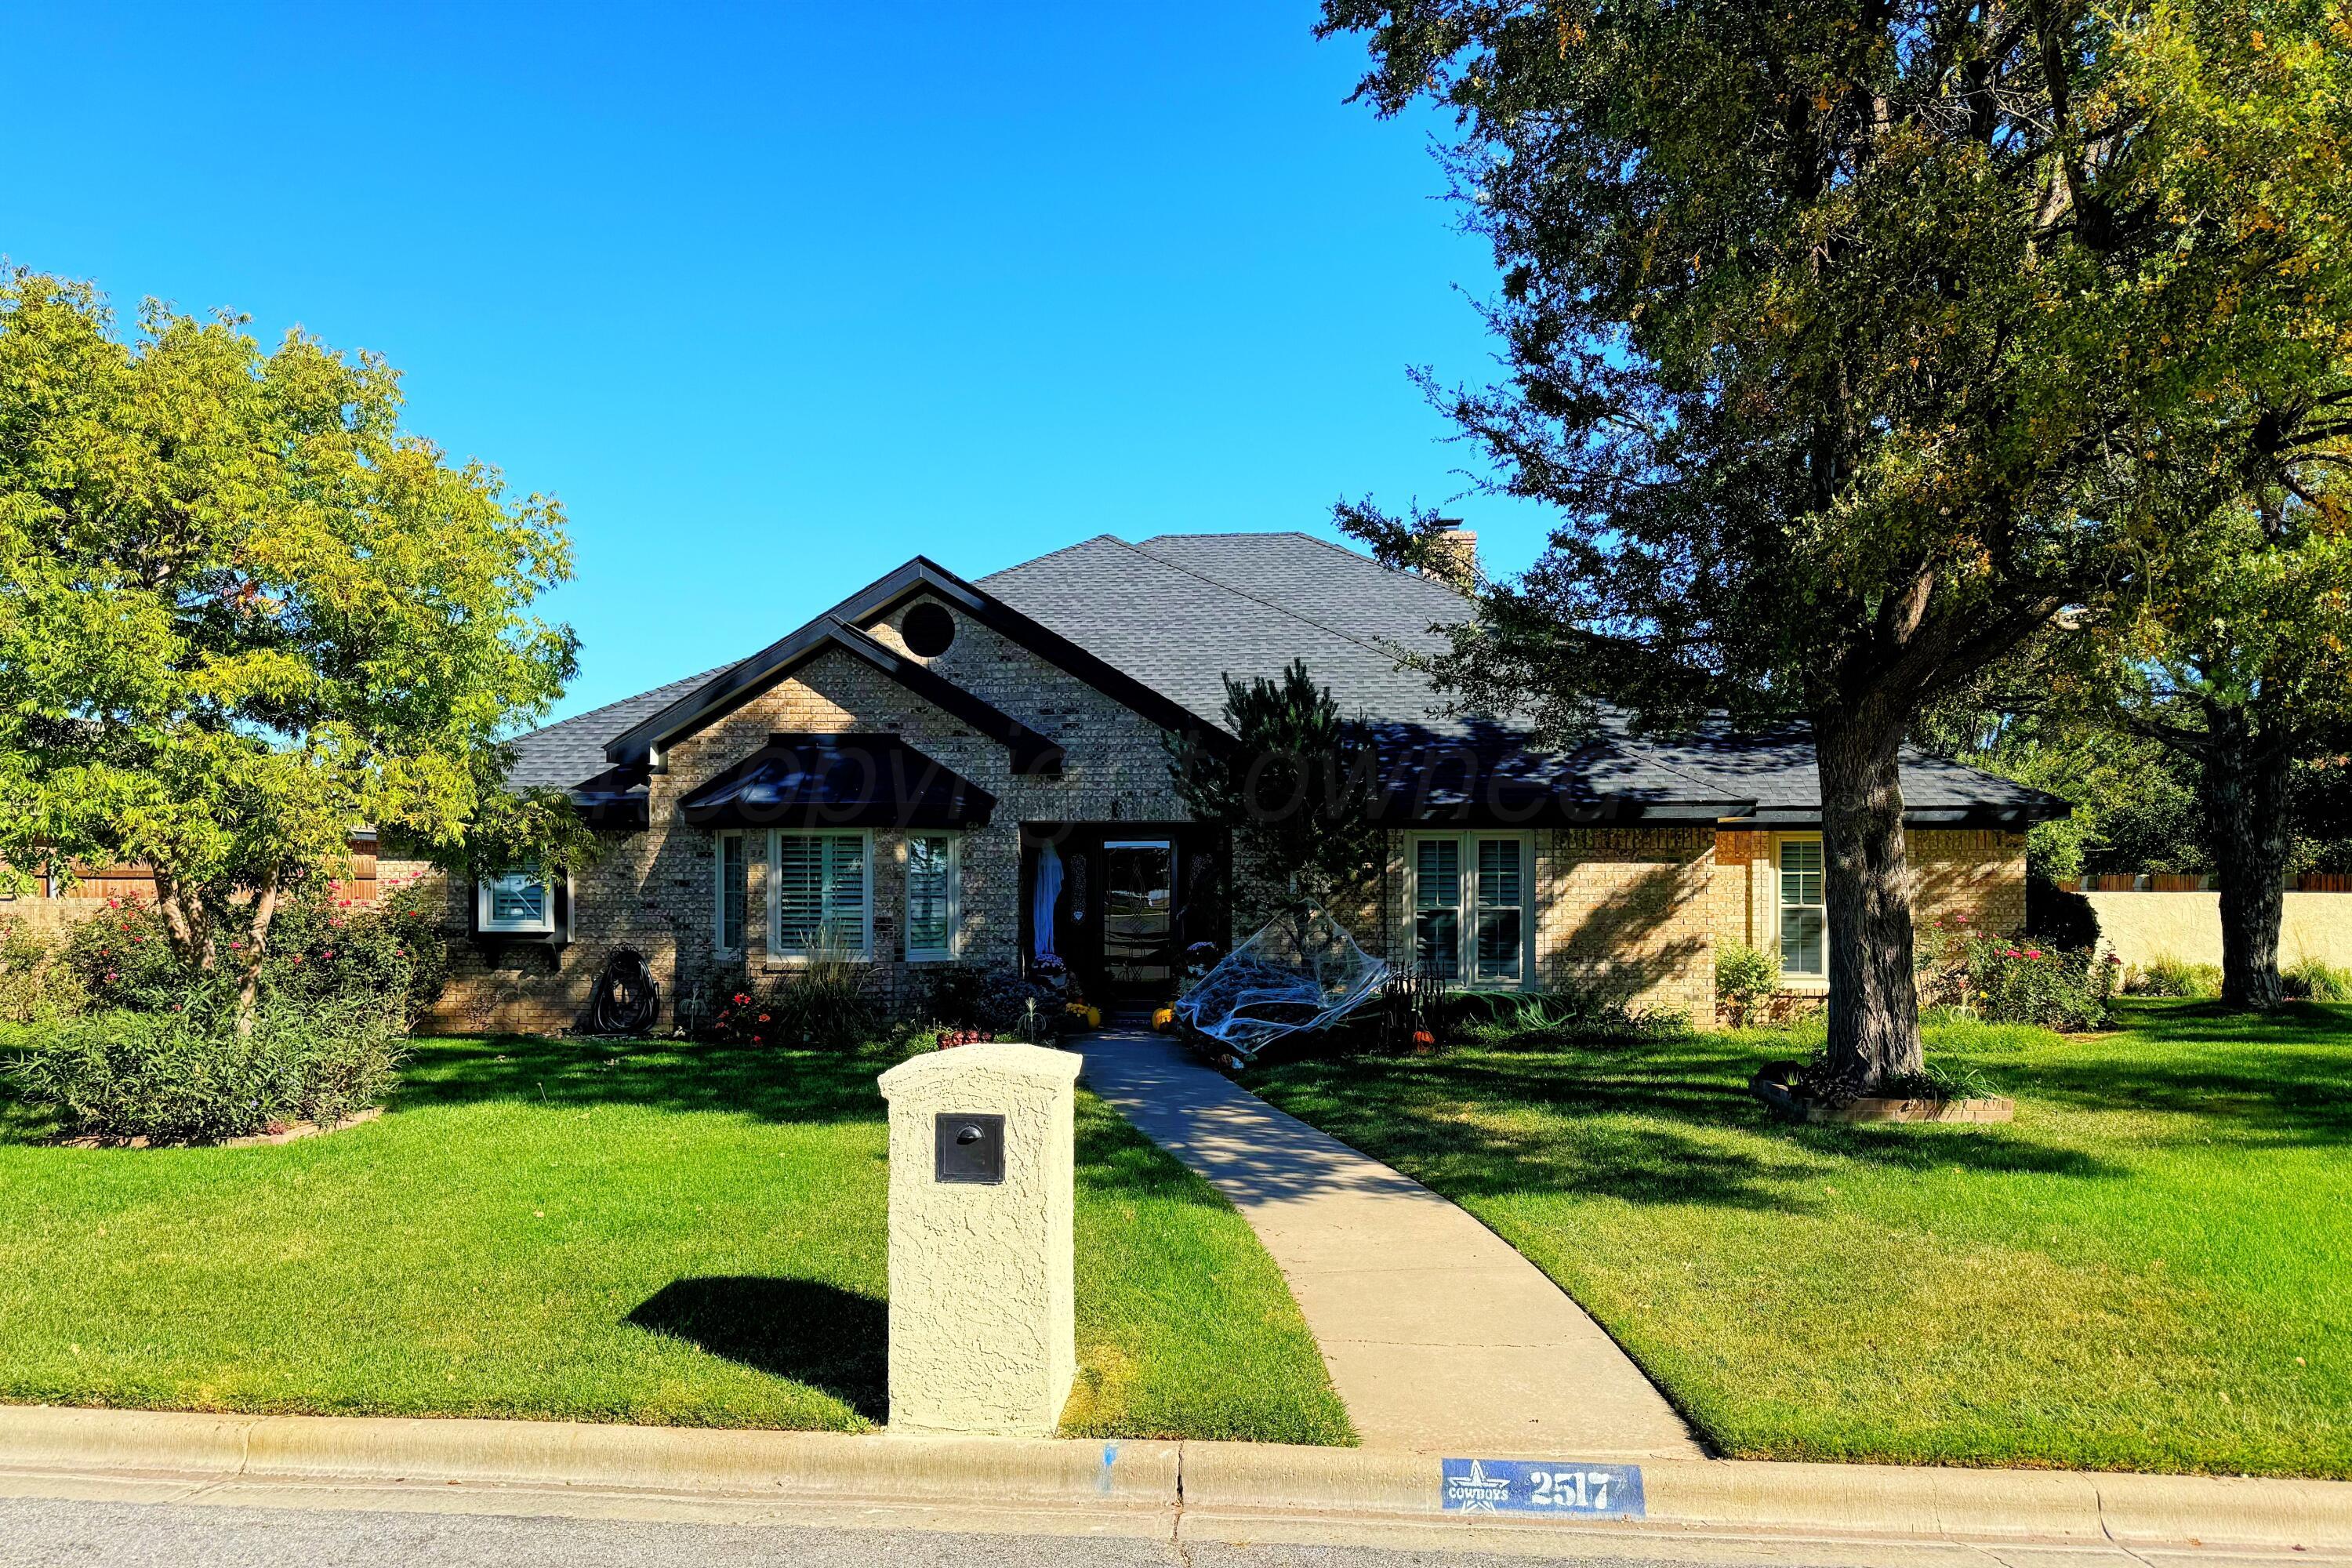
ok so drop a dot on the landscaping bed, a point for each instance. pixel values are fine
(2145, 1270)
(657, 1232)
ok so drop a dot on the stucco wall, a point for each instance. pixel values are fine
(2141, 928)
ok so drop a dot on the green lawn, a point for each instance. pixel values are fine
(656, 1233)
(2151, 1268)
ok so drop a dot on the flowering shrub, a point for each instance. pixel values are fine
(124, 960)
(318, 948)
(321, 949)
(187, 1075)
(821, 1004)
(2015, 980)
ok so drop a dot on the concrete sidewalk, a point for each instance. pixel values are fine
(1440, 1337)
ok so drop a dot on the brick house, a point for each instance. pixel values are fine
(942, 771)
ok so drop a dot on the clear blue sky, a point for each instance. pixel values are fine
(775, 296)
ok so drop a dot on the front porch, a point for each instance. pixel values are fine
(1120, 903)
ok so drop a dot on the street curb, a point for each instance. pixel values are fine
(1750, 1495)
(1234, 1484)
(803, 1465)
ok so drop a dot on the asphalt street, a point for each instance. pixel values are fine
(45, 1534)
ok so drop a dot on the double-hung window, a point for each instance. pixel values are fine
(1470, 923)
(1804, 915)
(934, 864)
(730, 893)
(520, 899)
(821, 900)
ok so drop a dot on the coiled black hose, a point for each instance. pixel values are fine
(627, 1000)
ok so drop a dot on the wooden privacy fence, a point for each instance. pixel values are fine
(136, 884)
(2197, 882)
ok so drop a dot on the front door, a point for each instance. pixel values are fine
(1139, 909)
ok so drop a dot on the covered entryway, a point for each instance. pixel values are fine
(1120, 903)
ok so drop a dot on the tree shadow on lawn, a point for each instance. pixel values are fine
(1643, 1122)
(2274, 1079)
(1117, 1163)
(835, 1340)
(667, 1074)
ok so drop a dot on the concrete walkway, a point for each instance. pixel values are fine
(1440, 1337)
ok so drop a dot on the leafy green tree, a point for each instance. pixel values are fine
(1854, 341)
(2235, 659)
(241, 613)
(2134, 803)
(1297, 788)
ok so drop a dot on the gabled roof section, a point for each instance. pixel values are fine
(643, 741)
(565, 754)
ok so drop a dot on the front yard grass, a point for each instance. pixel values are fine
(2151, 1268)
(653, 1233)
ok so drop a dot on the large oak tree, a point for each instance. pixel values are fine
(1859, 341)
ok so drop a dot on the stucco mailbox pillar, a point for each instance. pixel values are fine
(981, 1337)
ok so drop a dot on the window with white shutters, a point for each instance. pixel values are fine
(1804, 916)
(1470, 915)
(932, 871)
(820, 882)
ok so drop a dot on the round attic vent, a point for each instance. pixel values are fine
(929, 629)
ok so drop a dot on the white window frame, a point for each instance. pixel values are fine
(955, 899)
(485, 901)
(777, 951)
(1466, 906)
(1769, 928)
(718, 842)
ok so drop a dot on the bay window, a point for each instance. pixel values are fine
(818, 900)
(519, 899)
(1469, 899)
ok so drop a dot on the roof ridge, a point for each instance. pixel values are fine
(1065, 550)
(1356, 555)
(1277, 609)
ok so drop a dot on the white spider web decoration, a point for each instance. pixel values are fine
(1300, 971)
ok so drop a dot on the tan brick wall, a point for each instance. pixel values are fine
(1621, 912)
(1976, 872)
(652, 892)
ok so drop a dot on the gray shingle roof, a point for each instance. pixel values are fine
(1180, 611)
(573, 749)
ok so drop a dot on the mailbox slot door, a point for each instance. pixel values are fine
(969, 1147)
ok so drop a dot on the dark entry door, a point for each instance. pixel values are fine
(1138, 910)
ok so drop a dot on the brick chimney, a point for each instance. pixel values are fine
(1452, 556)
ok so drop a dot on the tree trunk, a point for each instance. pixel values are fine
(184, 922)
(1874, 982)
(2242, 785)
(248, 986)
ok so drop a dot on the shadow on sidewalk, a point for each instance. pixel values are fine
(835, 1340)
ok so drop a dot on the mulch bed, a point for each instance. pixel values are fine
(1774, 1085)
(286, 1135)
